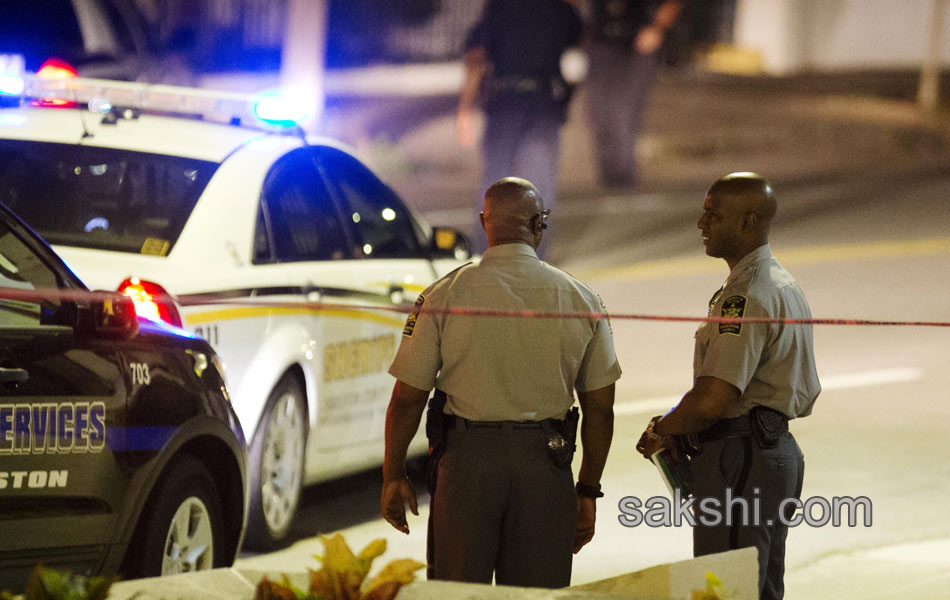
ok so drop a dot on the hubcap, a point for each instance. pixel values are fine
(280, 466)
(189, 545)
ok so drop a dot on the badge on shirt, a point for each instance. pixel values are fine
(413, 315)
(733, 307)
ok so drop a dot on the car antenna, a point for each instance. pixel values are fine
(82, 121)
(85, 129)
(298, 129)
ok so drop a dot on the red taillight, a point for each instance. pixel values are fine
(151, 301)
(56, 68)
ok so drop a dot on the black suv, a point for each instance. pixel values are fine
(119, 449)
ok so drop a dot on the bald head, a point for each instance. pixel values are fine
(511, 208)
(748, 192)
(737, 215)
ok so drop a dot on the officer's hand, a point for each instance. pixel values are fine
(648, 446)
(465, 128)
(393, 502)
(649, 39)
(586, 514)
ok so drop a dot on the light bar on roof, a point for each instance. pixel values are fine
(283, 110)
(56, 68)
(99, 94)
(12, 67)
(11, 85)
(213, 105)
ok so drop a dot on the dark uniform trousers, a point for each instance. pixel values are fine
(521, 139)
(740, 464)
(501, 506)
(618, 87)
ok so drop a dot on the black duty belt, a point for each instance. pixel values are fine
(761, 422)
(727, 428)
(452, 421)
(520, 85)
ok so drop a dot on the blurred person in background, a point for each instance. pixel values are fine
(624, 41)
(513, 63)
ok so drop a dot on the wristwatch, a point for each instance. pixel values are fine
(588, 491)
(654, 435)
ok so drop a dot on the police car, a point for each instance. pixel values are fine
(119, 449)
(303, 251)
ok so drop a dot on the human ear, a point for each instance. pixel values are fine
(750, 220)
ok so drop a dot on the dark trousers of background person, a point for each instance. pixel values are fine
(521, 139)
(617, 89)
(741, 465)
(502, 506)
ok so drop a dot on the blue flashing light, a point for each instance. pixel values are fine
(11, 85)
(283, 111)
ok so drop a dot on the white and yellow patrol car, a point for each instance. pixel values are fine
(258, 221)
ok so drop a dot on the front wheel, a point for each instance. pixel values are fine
(184, 528)
(276, 463)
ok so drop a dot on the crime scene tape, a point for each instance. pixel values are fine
(28, 295)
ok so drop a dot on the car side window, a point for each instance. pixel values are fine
(300, 215)
(21, 270)
(383, 224)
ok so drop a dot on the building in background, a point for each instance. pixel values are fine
(790, 36)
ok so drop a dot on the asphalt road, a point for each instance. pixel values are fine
(872, 246)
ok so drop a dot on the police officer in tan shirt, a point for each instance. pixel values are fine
(749, 380)
(502, 506)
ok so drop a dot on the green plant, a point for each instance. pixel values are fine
(343, 575)
(50, 584)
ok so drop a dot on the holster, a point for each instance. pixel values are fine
(562, 444)
(435, 433)
(689, 444)
(767, 425)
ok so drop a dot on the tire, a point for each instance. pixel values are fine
(183, 527)
(276, 465)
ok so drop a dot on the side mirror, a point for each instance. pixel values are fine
(449, 243)
(114, 317)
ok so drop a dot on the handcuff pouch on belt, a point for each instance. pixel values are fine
(562, 444)
(767, 425)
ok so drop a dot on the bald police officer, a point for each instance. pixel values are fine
(502, 505)
(749, 380)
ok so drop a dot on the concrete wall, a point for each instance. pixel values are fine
(797, 35)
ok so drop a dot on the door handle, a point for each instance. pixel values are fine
(13, 375)
(312, 293)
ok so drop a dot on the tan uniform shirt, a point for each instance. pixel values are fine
(507, 368)
(771, 364)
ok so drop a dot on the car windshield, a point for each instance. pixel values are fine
(40, 29)
(101, 198)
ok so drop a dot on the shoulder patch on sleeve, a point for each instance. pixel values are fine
(413, 315)
(603, 309)
(733, 307)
